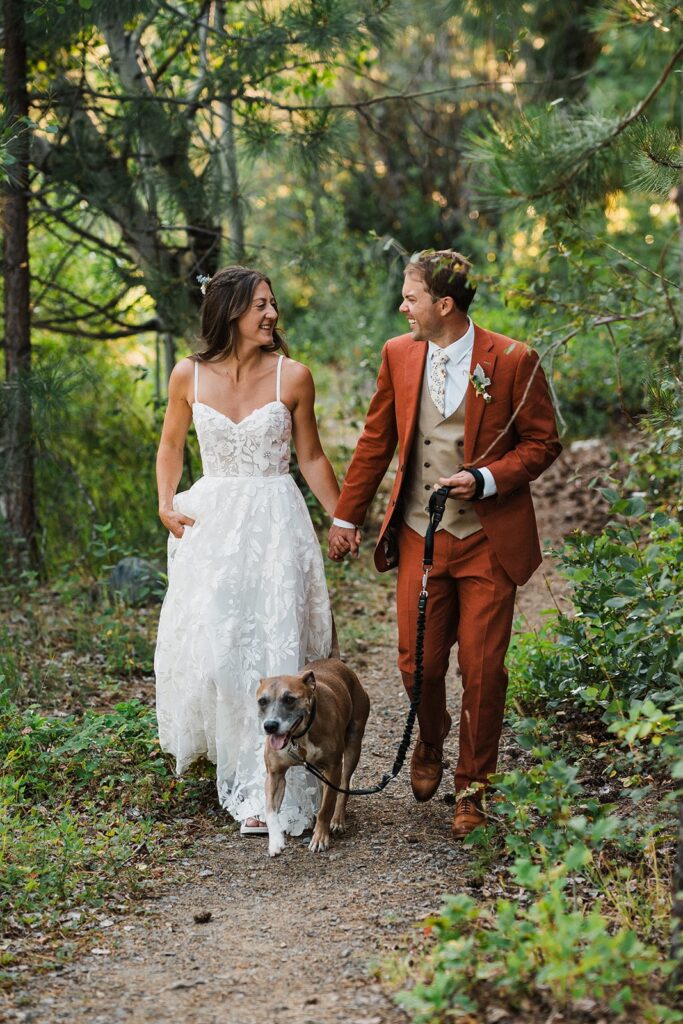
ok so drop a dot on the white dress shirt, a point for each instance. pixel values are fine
(457, 378)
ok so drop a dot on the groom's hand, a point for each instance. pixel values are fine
(463, 485)
(341, 540)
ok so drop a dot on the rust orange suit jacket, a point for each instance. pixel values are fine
(516, 452)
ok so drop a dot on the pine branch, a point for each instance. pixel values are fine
(58, 327)
(268, 101)
(545, 157)
(657, 165)
(98, 243)
(104, 309)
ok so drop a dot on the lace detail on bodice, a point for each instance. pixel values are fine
(257, 446)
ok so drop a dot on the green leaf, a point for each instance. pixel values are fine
(627, 586)
(635, 507)
(577, 856)
(617, 602)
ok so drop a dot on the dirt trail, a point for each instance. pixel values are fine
(295, 939)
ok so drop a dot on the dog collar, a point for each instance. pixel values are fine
(311, 720)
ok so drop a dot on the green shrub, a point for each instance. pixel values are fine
(79, 798)
(617, 658)
(567, 934)
(561, 957)
(95, 434)
(655, 467)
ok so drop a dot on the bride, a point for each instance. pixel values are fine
(246, 588)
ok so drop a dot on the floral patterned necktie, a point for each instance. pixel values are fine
(437, 379)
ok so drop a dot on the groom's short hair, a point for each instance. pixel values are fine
(445, 273)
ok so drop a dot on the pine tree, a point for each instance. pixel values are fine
(18, 480)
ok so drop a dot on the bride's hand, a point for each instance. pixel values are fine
(341, 540)
(174, 521)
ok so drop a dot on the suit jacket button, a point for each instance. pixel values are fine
(461, 511)
(428, 487)
(460, 444)
(427, 465)
(427, 441)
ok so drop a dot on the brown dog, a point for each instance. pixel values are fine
(318, 716)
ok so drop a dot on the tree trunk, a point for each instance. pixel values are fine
(677, 909)
(228, 162)
(169, 354)
(18, 441)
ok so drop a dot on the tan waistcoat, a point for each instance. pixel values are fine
(436, 452)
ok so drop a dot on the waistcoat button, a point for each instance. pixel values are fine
(427, 441)
(460, 444)
(427, 465)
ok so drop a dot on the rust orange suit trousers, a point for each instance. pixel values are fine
(471, 603)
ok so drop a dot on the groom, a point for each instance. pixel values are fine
(470, 410)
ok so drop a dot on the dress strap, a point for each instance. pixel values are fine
(196, 380)
(279, 374)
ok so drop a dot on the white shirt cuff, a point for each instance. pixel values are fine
(352, 526)
(489, 483)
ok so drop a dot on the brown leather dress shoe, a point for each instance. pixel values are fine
(427, 765)
(469, 815)
(426, 770)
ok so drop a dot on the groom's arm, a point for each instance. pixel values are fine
(538, 444)
(374, 451)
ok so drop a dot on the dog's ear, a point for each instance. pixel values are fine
(308, 679)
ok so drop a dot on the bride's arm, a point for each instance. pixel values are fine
(313, 463)
(171, 446)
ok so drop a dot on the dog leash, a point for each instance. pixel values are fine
(437, 507)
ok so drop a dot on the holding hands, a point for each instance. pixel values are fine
(341, 540)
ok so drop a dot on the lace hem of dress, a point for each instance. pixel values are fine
(294, 820)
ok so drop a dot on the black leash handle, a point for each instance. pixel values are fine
(437, 507)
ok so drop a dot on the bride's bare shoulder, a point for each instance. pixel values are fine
(183, 370)
(298, 373)
(180, 382)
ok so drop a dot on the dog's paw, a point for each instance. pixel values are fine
(338, 825)
(319, 842)
(276, 845)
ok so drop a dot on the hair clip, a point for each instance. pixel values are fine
(204, 282)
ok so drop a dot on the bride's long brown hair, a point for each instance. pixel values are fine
(228, 295)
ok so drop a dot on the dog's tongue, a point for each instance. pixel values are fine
(277, 742)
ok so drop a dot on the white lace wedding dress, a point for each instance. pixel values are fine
(246, 598)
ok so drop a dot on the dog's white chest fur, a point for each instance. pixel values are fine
(308, 751)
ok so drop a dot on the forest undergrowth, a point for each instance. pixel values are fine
(572, 875)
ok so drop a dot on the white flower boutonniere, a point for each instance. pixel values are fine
(480, 382)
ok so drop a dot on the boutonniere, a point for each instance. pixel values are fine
(480, 382)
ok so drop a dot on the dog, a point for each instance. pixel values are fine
(318, 716)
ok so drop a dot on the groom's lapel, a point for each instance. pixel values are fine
(475, 404)
(412, 382)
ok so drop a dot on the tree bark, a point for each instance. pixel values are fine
(228, 163)
(19, 485)
(677, 908)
